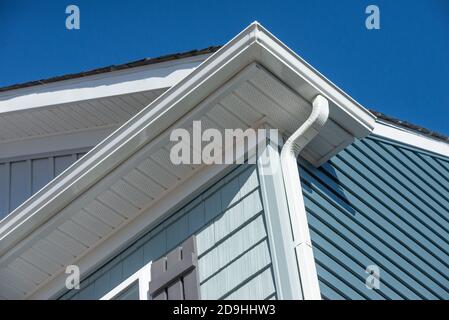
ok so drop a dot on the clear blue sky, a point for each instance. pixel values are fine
(401, 69)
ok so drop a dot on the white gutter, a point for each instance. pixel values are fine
(300, 228)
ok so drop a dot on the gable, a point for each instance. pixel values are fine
(128, 176)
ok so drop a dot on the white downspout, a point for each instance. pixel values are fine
(300, 228)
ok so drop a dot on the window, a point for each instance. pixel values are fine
(133, 288)
(172, 277)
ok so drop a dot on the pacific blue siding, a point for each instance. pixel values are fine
(384, 204)
(21, 178)
(234, 259)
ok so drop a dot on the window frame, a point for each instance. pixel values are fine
(142, 277)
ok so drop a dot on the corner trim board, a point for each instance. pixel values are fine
(280, 238)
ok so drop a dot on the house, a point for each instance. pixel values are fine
(351, 204)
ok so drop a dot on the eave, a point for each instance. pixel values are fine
(253, 55)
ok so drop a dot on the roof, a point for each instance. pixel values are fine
(132, 64)
(246, 84)
(196, 52)
(411, 126)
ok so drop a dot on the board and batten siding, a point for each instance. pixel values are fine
(384, 204)
(234, 260)
(22, 177)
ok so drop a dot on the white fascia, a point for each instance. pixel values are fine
(402, 135)
(143, 78)
(356, 119)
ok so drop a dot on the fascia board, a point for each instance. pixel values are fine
(359, 121)
(151, 77)
(402, 136)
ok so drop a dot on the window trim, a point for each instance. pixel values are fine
(141, 276)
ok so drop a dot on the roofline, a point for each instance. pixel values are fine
(411, 127)
(197, 52)
(403, 136)
(252, 43)
(320, 83)
(111, 68)
(150, 77)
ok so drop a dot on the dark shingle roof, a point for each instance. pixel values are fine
(192, 53)
(410, 126)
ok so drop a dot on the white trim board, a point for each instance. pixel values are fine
(141, 276)
(144, 78)
(279, 228)
(410, 138)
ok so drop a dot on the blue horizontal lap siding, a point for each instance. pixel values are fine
(233, 254)
(380, 203)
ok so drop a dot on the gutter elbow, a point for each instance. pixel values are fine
(310, 128)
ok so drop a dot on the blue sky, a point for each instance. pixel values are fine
(401, 69)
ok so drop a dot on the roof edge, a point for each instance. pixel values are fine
(410, 126)
(40, 207)
(112, 68)
(323, 85)
(144, 127)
